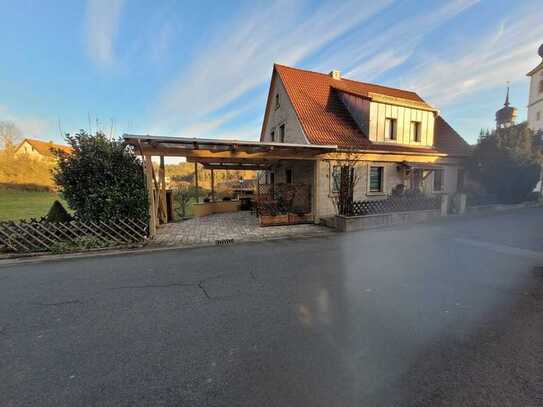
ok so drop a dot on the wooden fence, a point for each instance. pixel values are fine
(41, 235)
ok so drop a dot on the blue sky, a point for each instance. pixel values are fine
(202, 69)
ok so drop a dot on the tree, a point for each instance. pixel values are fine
(183, 197)
(102, 178)
(345, 177)
(9, 135)
(507, 162)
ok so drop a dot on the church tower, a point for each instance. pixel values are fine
(535, 104)
(507, 115)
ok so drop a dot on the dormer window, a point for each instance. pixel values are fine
(277, 104)
(391, 128)
(415, 132)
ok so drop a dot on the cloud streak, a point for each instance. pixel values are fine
(237, 61)
(374, 51)
(101, 27)
(505, 54)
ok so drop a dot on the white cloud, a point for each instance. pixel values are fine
(505, 54)
(101, 26)
(240, 55)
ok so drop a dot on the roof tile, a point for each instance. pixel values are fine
(326, 120)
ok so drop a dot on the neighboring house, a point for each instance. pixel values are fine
(396, 137)
(535, 102)
(40, 149)
(535, 106)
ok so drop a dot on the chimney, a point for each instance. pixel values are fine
(335, 74)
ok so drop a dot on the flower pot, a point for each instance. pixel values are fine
(271, 220)
(294, 218)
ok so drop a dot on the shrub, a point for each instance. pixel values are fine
(57, 213)
(79, 244)
(102, 178)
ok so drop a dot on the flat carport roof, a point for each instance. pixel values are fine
(225, 154)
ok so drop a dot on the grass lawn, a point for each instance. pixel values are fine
(15, 204)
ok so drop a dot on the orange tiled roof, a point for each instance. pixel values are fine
(326, 120)
(46, 147)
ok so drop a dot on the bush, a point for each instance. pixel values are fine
(79, 244)
(57, 213)
(102, 179)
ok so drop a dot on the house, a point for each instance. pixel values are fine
(39, 149)
(314, 124)
(395, 135)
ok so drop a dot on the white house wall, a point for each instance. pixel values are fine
(392, 177)
(285, 114)
(535, 104)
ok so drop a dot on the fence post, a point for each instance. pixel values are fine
(462, 199)
(444, 204)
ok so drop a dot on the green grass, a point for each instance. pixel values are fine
(16, 204)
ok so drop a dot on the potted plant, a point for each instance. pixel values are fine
(270, 215)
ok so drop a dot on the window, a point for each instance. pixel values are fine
(415, 131)
(376, 179)
(282, 133)
(390, 128)
(277, 104)
(460, 180)
(273, 136)
(336, 178)
(288, 176)
(438, 180)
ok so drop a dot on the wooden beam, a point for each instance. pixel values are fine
(262, 155)
(212, 186)
(236, 167)
(162, 197)
(147, 167)
(196, 182)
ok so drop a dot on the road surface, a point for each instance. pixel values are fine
(443, 314)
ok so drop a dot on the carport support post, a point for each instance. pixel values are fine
(147, 168)
(162, 175)
(196, 182)
(212, 186)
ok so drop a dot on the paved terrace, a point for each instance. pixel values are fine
(239, 226)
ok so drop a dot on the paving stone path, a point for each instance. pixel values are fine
(239, 226)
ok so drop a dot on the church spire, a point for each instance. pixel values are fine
(507, 115)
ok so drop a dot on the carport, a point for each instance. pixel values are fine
(216, 154)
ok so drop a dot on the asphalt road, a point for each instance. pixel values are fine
(444, 314)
